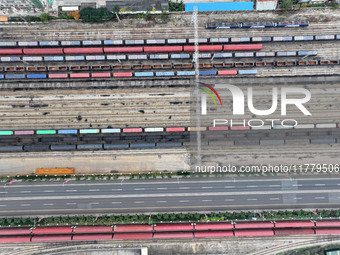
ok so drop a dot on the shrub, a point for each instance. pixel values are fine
(176, 6)
(92, 15)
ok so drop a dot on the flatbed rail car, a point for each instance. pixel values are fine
(54, 171)
(257, 24)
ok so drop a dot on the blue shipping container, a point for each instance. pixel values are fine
(49, 43)
(247, 72)
(1, 76)
(68, 131)
(15, 76)
(165, 73)
(186, 73)
(142, 74)
(36, 76)
(208, 72)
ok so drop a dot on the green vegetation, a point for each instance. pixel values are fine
(44, 17)
(176, 6)
(38, 4)
(286, 5)
(93, 15)
(167, 217)
(313, 250)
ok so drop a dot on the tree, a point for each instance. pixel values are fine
(74, 14)
(92, 15)
(176, 6)
(44, 17)
(286, 4)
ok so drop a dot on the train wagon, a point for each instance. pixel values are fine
(54, 171)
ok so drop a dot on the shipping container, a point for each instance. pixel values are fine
(219, 40)
(15, 76)
(175, 129)
(244, 54)
(24, 132)
(83, 50)
(207, 73)
(100, 75)
(247, 72)
(153, 129)
(46, 132)
(163, 49)
(49, 43)
(58, 75)
(6, 133)
(36, 76)
(11, 51)
(326, 125)
(142, 145)
(110, 130)
(223, 55)
(204, 48)
(307, 53)
(68, 131)
(8, 44)
(70, 43)
(155, 41)
(96, 42)
(39, 51)
(189, 73)
(132, 236)
(200, 40)
(128, 74)
(113, 42)
(218, 128)
(89, 131)
(143, 74)
(322, 141)
(36, 147)
(79, 75)
(177, 41)
(165, 73)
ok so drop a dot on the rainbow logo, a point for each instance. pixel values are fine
(204, 99)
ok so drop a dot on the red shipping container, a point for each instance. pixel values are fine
(328, 223)
(218, 128)
(92, 229)
(164, 49)
(48, 51)
(175, 129)
(117, 236)
(83, 50)
(97, 75)
(131, 228)
(292, 224)
(242, 47)
(80, 237)
(132, 130)
(327, 231)
(173, 235)
(123, 49)
(204, 48)
(227, 72)
(52, 230)
(15, 231)
(206, 226)
(294, 231)
(15, 239)
(79, 75)
(58, 75)
(11, 52)
(254, 232)
(51, 238)
(171, 227)
(122, 74)
(214, 233)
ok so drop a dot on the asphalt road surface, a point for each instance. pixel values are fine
(170, 195)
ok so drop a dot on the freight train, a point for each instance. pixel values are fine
(170, 230)
(257, 24)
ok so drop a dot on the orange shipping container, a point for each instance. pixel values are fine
(4, 18)
(52, 171)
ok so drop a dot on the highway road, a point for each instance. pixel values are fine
(170, 195)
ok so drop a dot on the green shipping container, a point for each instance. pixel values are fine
(6, 132)
(46, 132)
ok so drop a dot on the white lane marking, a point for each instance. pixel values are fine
(274, 185)
(93, 189)
(183, 201)
(96, 203)
(139, 202)
(48, 191)
(183, 188)
(25, 191)
(206, 187)
(251, 199)
(116, 189)
(71, 203)
(320, 184)
(274, 198)
(162, 188)
(116, 202)
(48, 204)
(25, 205)
(206, 200)
(229, 187)
(139, 189)
(3, 192)
(297, 198)
(3, 205)
(161, 201)
(319, 197)
(71, 190)
(229, 199)
(252, 186)
(297, 185)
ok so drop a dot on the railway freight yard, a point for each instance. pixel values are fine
(177, 93)
(102, 96)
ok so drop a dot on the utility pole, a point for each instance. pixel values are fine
(196, 90)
